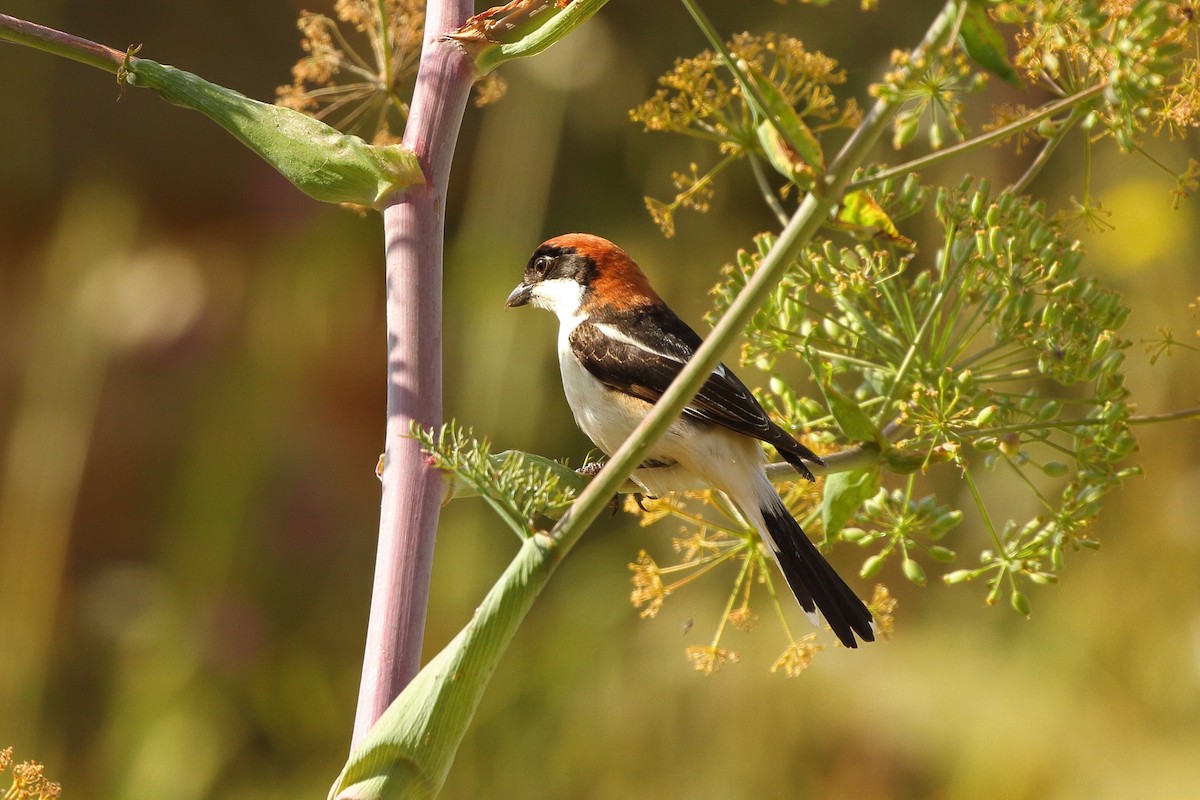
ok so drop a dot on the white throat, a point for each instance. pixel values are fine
(563, 296)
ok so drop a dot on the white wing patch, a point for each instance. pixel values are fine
(616, 334)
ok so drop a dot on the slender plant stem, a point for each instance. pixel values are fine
(1043, 156)
(999, 134)
(412, 490)
(764, 186)
(60, 44)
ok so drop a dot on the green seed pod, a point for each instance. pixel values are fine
(939, 553)
(995, 240)
(905, 128)
(872, 566)
(1055, 469)
(854, 535)
(945, 522)
(913, 571)
(986, 415)
(1020, 603)
(1050, 410)
(981, 244)
(957, 576)
(1056, 557)
(977, 201)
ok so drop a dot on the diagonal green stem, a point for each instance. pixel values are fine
(991, 137)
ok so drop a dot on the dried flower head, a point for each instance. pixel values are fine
(29, 781)
(648, 589)
(709, 659)
(743, 619)
(883, 608)
(798, 655)
(357, 89)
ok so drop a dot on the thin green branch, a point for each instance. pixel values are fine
(760, 177)
(1043, 156)
(987, 518)
(997, 135)
(931, 315)
(1171, 416)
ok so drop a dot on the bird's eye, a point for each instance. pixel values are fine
(543, 264)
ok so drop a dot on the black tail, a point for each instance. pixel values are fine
(814, 582)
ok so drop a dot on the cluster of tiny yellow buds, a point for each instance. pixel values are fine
(663, 215)
(648, 589)
(883, 607)
(1181, 107)
(1118, 8)
(29, 781)
(696, 190)
(709, 659)
(692, 546)
(798, 656)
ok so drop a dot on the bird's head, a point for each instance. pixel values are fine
(579, 273)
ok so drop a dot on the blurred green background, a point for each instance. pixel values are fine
(191, 408)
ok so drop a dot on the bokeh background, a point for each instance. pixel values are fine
(191, 408)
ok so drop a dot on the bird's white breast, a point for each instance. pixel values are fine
(701, 455)
(606, 416)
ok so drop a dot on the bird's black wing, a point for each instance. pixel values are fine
(641, 351)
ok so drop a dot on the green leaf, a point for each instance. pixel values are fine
(407, 753)
(790, 146)
(519, 30)
(784, 158)
(518, 486)
(853, 421)
(858, 212)
(985, 45)
(845, 493)
(321, 161)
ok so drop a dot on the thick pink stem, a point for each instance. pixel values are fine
(412, 492)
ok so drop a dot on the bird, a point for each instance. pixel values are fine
(619, 348)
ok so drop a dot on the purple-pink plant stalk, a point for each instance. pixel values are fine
(414, 228)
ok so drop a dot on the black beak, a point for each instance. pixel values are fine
(520, 296)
